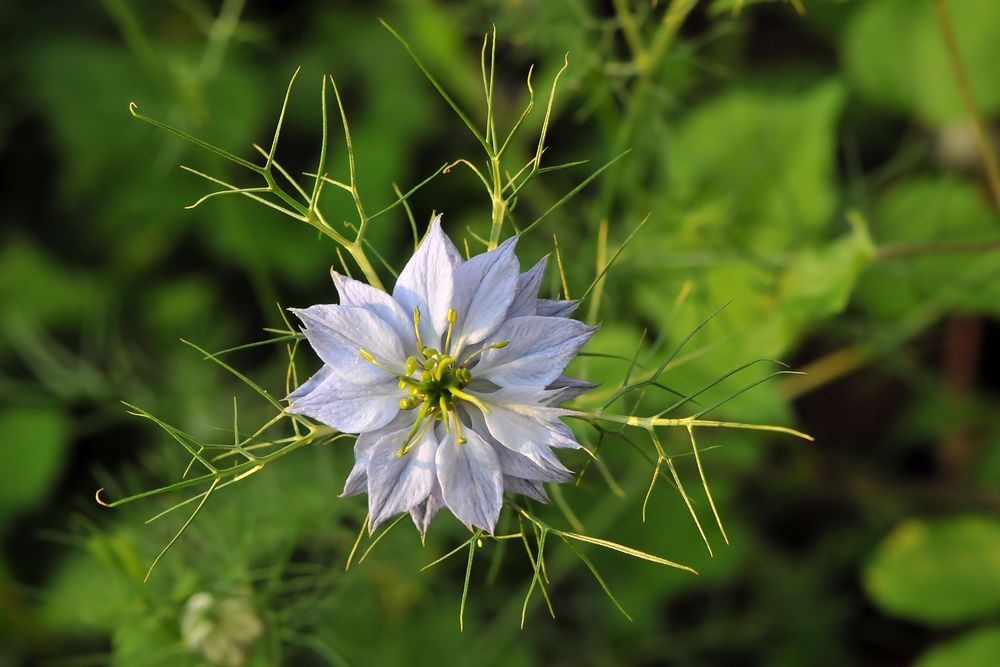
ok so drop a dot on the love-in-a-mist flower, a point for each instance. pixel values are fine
(452, 383)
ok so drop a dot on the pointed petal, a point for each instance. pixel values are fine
(571, 388)
(526, 295)
(549, 470)
(539, 349)
(423, 512)
(556, 307)
(484, 289)
(398, 427)
(357, 481)
(543, 465)
(348, 407)
(471, 480)
(428, 282)
(529, 488)
(311, 384)
(394, 431)
(356, 293)
(520, 420)
(339, 333)
(398, 483)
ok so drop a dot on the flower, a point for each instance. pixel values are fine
(223, 632)
(452, 383)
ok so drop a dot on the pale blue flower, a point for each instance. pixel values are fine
(452, 383)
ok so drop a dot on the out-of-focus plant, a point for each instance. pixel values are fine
(226, 464)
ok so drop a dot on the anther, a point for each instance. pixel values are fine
(458, 429)
(416, 328)
(452, 317)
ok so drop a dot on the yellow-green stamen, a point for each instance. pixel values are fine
(436, 383)
(452, 316)
(494, 346)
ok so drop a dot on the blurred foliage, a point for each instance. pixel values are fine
(809, 163)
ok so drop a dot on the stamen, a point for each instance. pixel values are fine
(494, 346)
(410, 440)
(370, 358)
(458, 393)
(458, 428)
(411, 365)
(452, 316)
(443, 403)
(408, 447)
(416, 328)
(443, 364)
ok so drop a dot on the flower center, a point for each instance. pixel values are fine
(436, 384)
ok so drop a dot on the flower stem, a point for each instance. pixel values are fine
(649, 423)
(359, 255)
(499, 203)
(965, 87)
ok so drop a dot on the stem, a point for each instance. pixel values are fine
(936, 248)
(965, 87)
(371, 275)
(629, 30)
(499, 203)
(646, 63)
(649, 423)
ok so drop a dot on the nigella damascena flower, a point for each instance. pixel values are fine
(452, 383)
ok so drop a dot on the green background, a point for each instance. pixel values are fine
(810, 163)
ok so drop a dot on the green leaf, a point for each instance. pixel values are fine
(928, 211)
(32, 451)
(894, 53)
(35, 286)
(978, 648)
(945, 571)
(819, 282)
(759, 165)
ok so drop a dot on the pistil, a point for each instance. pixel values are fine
(440, 387)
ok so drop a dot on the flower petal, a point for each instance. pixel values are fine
(356, 293)
(550, 469)
(543, 465)
(398, 483)
(423, 512)
(307, 387)
(484, 289)
(526, 487)
(471, 480)
(521, 421)
(571, 388)
(349, 407)
(396, 430)
(526, 295)
(556, 307)
(538, 351)
(427, 282)
(339, 333)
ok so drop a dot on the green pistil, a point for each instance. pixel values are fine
(440, 387)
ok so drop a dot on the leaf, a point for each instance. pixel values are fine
(944, 571)
(894, 53)
(819, 282)
(927, 211)
(33, 443)
(34, 285)
(978, 648)
(755, 168)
